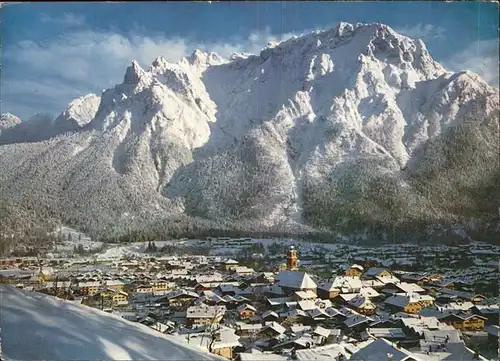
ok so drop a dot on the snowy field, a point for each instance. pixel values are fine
(39, 327)
(71, 238)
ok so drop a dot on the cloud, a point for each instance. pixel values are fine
(87, 61)
(480, 57)
(422, 31)
(67, 19)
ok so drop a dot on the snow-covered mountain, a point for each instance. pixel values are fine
(351, 128)
(7, 121)
(40, 327)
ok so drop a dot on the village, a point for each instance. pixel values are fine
(247, 300)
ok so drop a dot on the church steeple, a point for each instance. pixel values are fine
(291, 258)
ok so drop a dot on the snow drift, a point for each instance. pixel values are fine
(40, 327)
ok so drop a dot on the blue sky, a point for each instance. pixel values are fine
(55, 52)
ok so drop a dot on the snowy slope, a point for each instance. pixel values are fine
(335, 125)
(78, 113)
(40, 327)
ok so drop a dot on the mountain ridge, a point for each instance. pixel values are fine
(308, 127)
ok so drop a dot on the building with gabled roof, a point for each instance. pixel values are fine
(379, 349)
(292, 281)
(405, 303)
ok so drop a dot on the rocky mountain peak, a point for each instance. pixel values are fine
(133, 73)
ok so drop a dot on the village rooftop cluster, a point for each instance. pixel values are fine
(334, 303)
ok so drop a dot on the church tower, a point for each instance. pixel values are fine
(291, 258)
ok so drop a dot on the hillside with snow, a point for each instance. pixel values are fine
(354, 129)
(40, 327)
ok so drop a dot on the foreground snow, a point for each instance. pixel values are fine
(40, 327)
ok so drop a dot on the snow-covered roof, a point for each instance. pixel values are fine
(380, 332)
(344, 283)
(378, 350)
(306, 294)
(276, 327)
(374, 271)
(388, 279)
(324, 353)
(400, 300)
(357, 266)
(247, 356)
(306, 305)
(42, 327)
(269, 313)
(409, 287)
(295, 280)
(246, 307)
(204, 311)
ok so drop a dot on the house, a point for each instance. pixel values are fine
(246, 311)
(409, 287)
(455, 307)
(204, 314)
(146, 289)
(270, 315)
(228, 288)
(375, 272)
(424, 300)
(491, 312)
(418, 278)
(362, 304)
(295, 316)
(405, 303)
(248, 329)
(465, 321)
(478, 299)
(374, 284)
(318, 314)
(340, 284)
(304, 296)
(272, 330)
(243, 271)
(264, 277)
(162, 286)
(230, 264)
(116, 285)
(357, 323)
(120, 298)
(88, 288)
(382, 350)
(206, 286)
(388, 280)
(10, 261)
(327, 290)
(306, 305)
(332, 352)
(292, 281)
(391, 334)
(354, 271)
(221, 343)
(466, 296)
(178, 298)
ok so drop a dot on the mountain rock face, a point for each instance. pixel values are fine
(354, 129)
(78, 113)
(8, 120)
